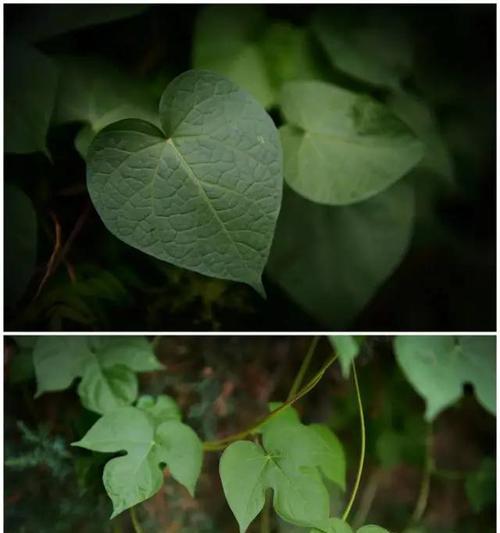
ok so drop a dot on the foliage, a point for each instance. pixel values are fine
(306, 465)
(178, 156)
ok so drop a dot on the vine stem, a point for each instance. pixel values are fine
(135, 521)
(363, 445)
(299, 378)
(216, 445)
(425, 485)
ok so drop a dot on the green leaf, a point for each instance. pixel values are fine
(332, 260)
(347, 348)
(98, 94)
(161, 408)
(149, 443)
(27, 117)
(205, 193)
(420, 118)
(283, 464)
(106, 367)
(227, 41)
(480, 485)
(377, 49)
(289, 54)
(341, 147)
(37, 23)
(243, 470)
(439, 366)
(335, 525)
(20, 243)
(317, 440)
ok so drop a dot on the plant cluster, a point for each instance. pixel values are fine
(300, 463)
(298, 151)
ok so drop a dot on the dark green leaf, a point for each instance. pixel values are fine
(331, 260)
(205, 193)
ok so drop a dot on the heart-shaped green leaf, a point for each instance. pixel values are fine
(149, 442)
(331, 260)
(439, 366)
(283, 463)
(204, 193)
(340, 147)
(106, 366)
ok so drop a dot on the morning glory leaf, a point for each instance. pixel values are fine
(332, 260)
(323, 448)
(247, 470)
(98, 94)
(106, 367)
(27, 118)
(227, 41)
(20, 243)
(341, 147)
(204, 193)
(439, 366)
(420, 118)
(150, 444)
(347, 348)
(377, 50)
(336, 525)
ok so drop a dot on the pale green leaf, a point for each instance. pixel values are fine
(376, 49)
(136, 476)
(332, 260)
(205, 193)
(161, 408)
(347, 349)
(104, 389)
(328, 454)
(283, 464)
(316, 441)
(336, 525)
(243, 471)
(420, 118)
(226, 40)
(59, 361)
(97, 94)
(106, 366)
(20, 227)
(27, 118)
(439, 366)
(341, 147)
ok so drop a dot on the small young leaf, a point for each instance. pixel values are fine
(340, 147)
(205, 193)
(332, 260)
(149, 443)
(20, 243)
(226, 40)
(439, 366)
(106, 366)
(347, 348)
